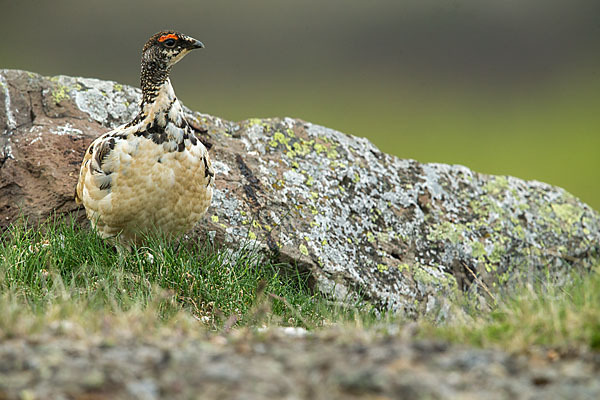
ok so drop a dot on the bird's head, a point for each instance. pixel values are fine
(166, 48)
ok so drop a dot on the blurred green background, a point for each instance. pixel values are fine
(504, 87)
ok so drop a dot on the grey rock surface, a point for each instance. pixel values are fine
(397, 233)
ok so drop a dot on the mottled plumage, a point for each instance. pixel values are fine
(152, 174)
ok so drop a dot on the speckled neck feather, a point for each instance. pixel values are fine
(153, 76)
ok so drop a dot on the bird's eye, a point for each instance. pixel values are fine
(169, 42)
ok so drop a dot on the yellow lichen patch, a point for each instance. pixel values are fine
(302, 147)
(59, 93)
(251, 235)
(477, 250)
(278, 184)
(382, 267)
(446, 231)
(215, 218)
(496, 185)
(254, 121)
(404, 267)
(280, 137)
(370, 237)
(332, 154)
(567, 213)
(303, 249)
(382, 237)
(319, 148)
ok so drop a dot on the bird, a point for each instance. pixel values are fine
(151, 175)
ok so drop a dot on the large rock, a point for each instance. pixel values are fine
(399, 233)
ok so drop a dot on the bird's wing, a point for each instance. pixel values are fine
(99, 162)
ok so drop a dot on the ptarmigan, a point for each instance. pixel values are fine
(152, 174)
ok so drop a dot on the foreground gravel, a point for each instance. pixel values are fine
(286, 364)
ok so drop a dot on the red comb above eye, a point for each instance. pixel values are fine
(169, 36)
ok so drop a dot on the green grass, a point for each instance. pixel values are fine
(65, 280)
(61, 263)
(543, 315)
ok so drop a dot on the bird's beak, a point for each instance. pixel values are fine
(196, 44)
